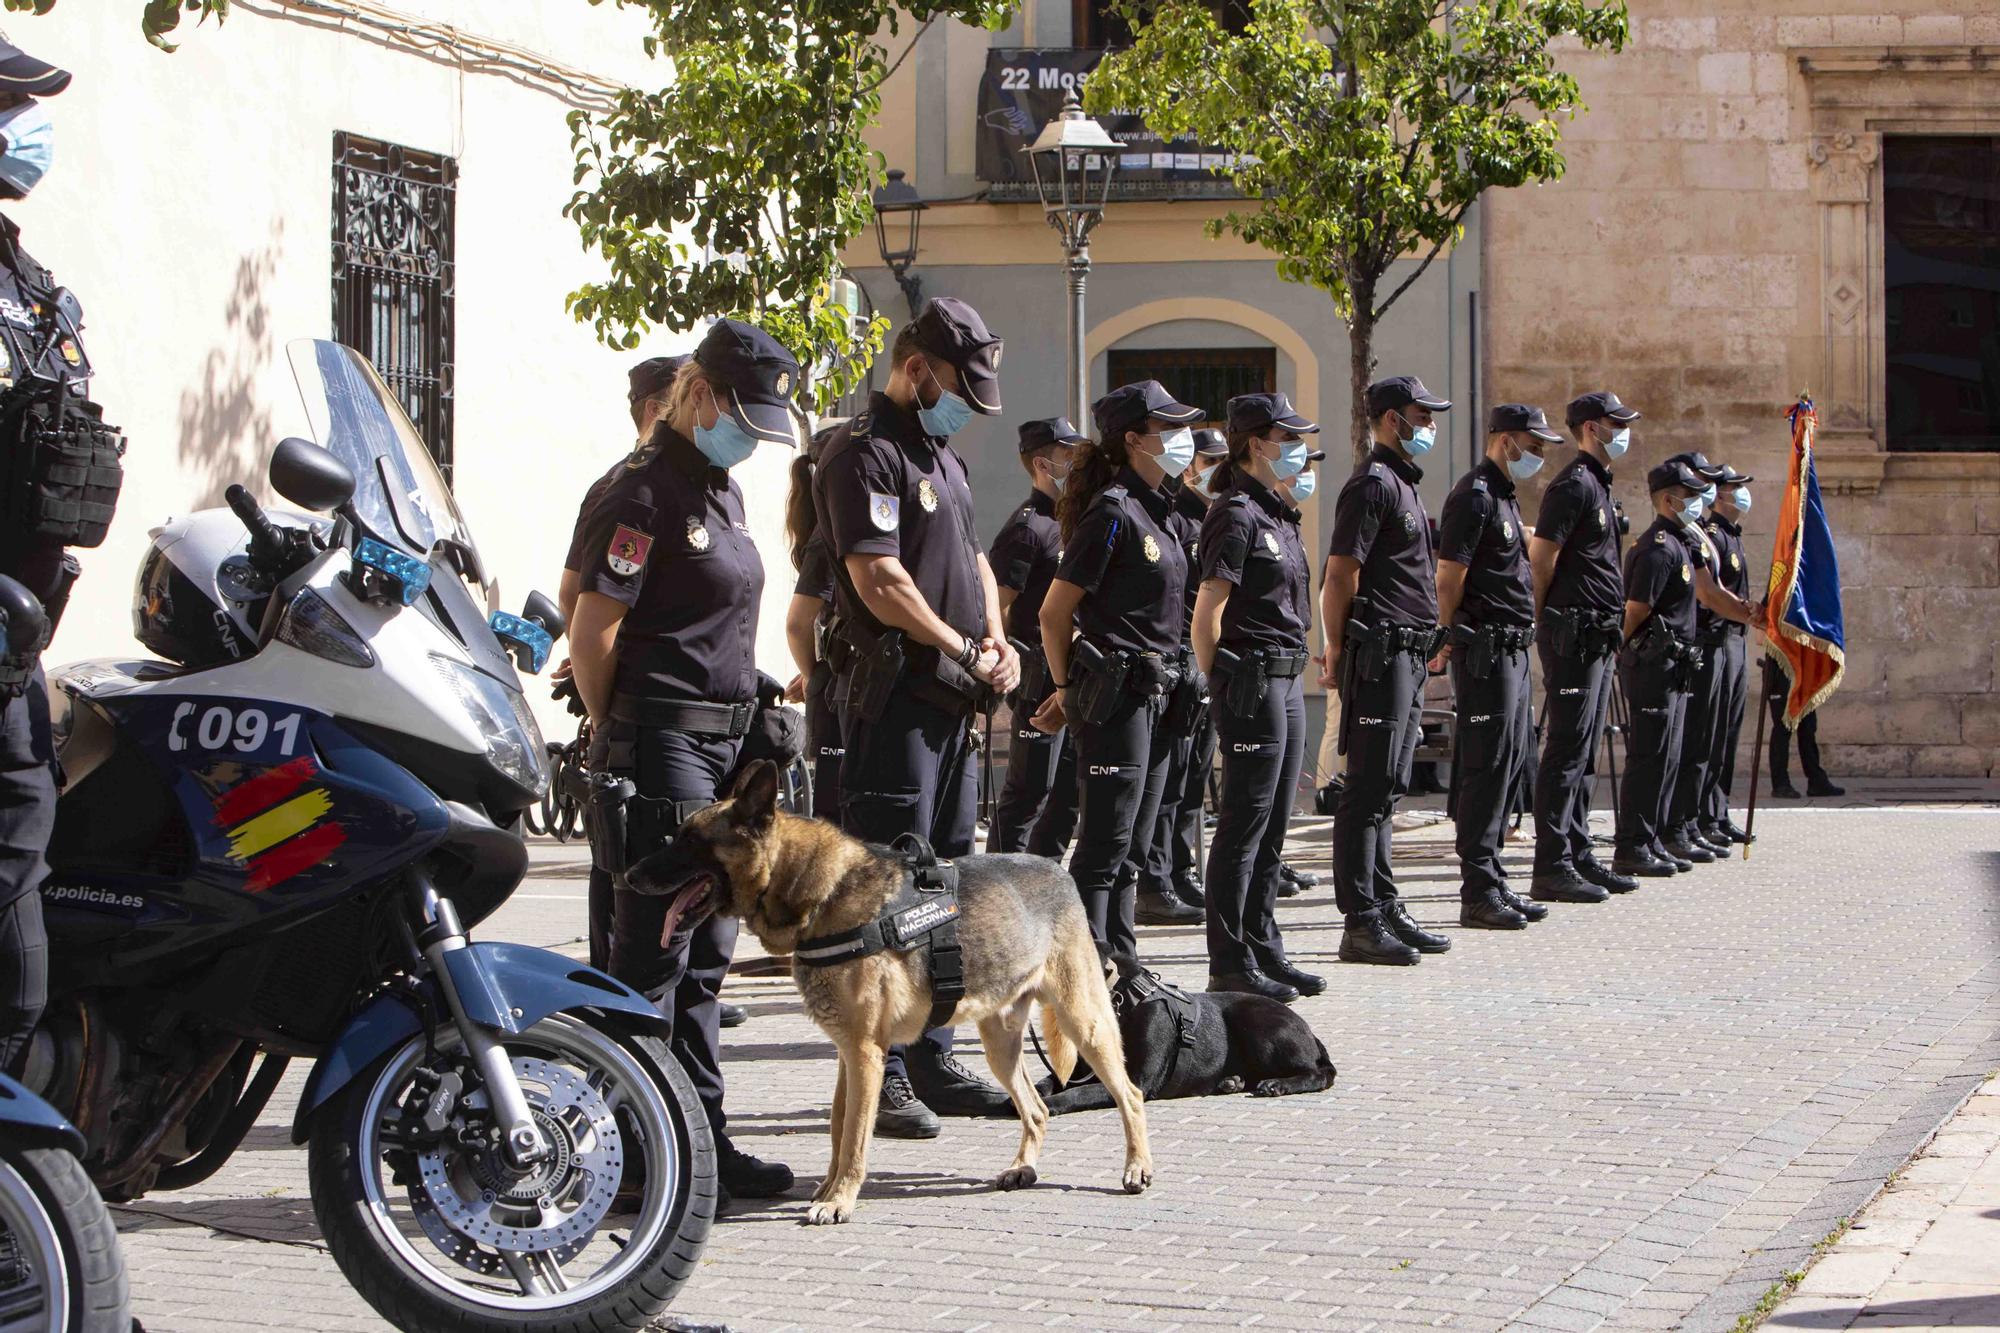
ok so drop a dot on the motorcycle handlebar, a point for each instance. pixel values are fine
(267, 541)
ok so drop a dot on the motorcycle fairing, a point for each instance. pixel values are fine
(506, 987)
(26, 1121)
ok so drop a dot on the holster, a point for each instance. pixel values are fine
(1187, 703)
(1565, 633)
(875, 664)
(1034, 687)
(1482, 650)
(1246, 684)
(951, 687)
(1097, 682)
(1367, 650)
(606, 821)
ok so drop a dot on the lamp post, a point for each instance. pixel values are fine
(1073, 160)
(899, 198)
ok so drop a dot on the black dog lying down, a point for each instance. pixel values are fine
(1181, 1044)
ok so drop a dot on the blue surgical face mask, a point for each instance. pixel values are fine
(726, 443)
(1524, 467)
(1203, 483)
(1740, 497)
(1303, 488)
(1708, 495)
(1176, 450)
(31, 145)
(1620, 441)
(948, 414)
(1421, 438)
(1691, 508)
(1291, 459)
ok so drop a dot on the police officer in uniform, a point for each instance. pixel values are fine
(1039, 792)
(44, 385)
(919, 643)
(664, 652)
(1659, 660)
(1379, 605)
(807, 618)
(1486, 599)
(1579, 603)
(1683, 838)
(1732, 685)
(1251, 618)
(1119, 592)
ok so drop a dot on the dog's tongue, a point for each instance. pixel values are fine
(690, 894)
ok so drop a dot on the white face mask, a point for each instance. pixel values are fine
(1740, 497)
(1176, 450)
(1620, 441)
(1524, 467)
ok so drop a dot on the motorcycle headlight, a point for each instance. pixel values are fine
(513, 741)
(310, 624)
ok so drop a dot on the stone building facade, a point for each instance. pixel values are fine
(1769, 196)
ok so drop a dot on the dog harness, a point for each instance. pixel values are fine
(1151, 988)
(921, 919)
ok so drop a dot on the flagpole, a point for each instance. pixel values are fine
(1756, 755)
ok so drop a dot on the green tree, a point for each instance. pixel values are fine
(733, 189)
(156, 19)
(1365, 128)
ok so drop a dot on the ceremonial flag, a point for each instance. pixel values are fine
(1802, 611)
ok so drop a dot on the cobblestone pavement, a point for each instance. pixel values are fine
(1635, 1115)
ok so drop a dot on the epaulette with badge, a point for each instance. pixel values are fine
(641, 456)
(1113, 494)
(861, 425)
(1479, 484)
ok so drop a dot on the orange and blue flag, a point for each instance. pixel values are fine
(1802, 611)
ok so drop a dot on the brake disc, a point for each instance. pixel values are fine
(474, 1206)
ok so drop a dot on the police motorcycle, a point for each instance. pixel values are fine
(271, 846)
(60, 1267)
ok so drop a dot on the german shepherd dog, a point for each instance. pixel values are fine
(1021, 930)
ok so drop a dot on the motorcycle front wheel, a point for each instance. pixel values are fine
(437, 1230)
(60, 1267)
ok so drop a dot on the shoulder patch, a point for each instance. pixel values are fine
(884, 511)
(628, 551)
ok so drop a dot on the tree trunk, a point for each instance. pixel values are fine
(1361, 366)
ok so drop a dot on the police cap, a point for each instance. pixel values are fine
(22, 73)
(1710, 473)
(653, 377)
(1674, 472)
(1315, 456)
(1049, 430)
(1129, 405)
(1250, 412)
(1591, 406)
(1507, 417)
(1400, 391)
(953, 332)
(759, 373)
(1731, 477)
(1211, 443)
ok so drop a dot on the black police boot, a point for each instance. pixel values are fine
(1603, 876)
(1783, 790)
(1186, 885)
(1488, 910)
(732, 1016)
(1368, 939)
(1534, 911)
(1823, 786)
(1305, 879)
(1726, 831)
(1564, 885)
(899, 1115)
(1640, 863)
(1681, 864)
(1680, 847)
(1280, 970)
(949, 1088)
(1406, 929)
(1252, 982)
(1153, 908)
(1715, 845)
(745, 1177)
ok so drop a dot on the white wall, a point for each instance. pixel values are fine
(190, 210)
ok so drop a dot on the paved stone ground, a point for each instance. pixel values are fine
(1634, 1115)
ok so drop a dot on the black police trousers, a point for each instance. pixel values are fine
(1171, 852)
(911, 771)
(682, 978)
(1576, 698)
(1036, 809)
(1262, 753)
(1652, 749)
(1382, 720)
(1123, 763)
(824, 745)
(1777, 688)
(1704, 719)
(27, 819)
(1731, 697)
(1493, 739)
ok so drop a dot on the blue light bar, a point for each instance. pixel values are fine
(528, 641)
(406, 576)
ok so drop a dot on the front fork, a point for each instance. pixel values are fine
(438, 934)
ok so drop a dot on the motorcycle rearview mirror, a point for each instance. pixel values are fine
(21, 618)
(545, 613)
(309, 476)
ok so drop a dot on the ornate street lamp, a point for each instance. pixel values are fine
(1073, 161)
(900, 199)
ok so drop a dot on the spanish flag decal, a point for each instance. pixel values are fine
(277, 823)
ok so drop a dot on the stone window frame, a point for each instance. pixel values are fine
(1855, 96)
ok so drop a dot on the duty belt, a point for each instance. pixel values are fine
(1281, 665)
(1512, 638)
(1150, 673)
(1420, 640)
(727, 720)
(922, 917)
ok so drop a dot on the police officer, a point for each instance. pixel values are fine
(1486, 599)
(44, 380)
(1378, 602)
(807, 617)
(1119, 591)
(1579, 604)
(1658, 662)
(1682, 838)
(664, 652)
(918, 639)
(1732, 686)
(1041, 768)
(1250, 623)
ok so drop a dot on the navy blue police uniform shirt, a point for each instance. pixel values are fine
(1188, 513)
(579, 543)
(1731, 571)
(885, 487)
(1705, 555)
(1576, 514)
(1132, 567)
(669, 540)
(1024, 557)
(1250, 540)
(1379, 520)
(1481, 529)
(816, 571)
(1659, 571)
(35, 561)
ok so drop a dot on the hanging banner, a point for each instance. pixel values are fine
(1024, 89)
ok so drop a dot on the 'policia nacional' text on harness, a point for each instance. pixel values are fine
(921, 917)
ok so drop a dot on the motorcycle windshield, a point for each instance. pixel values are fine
(400, 496)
